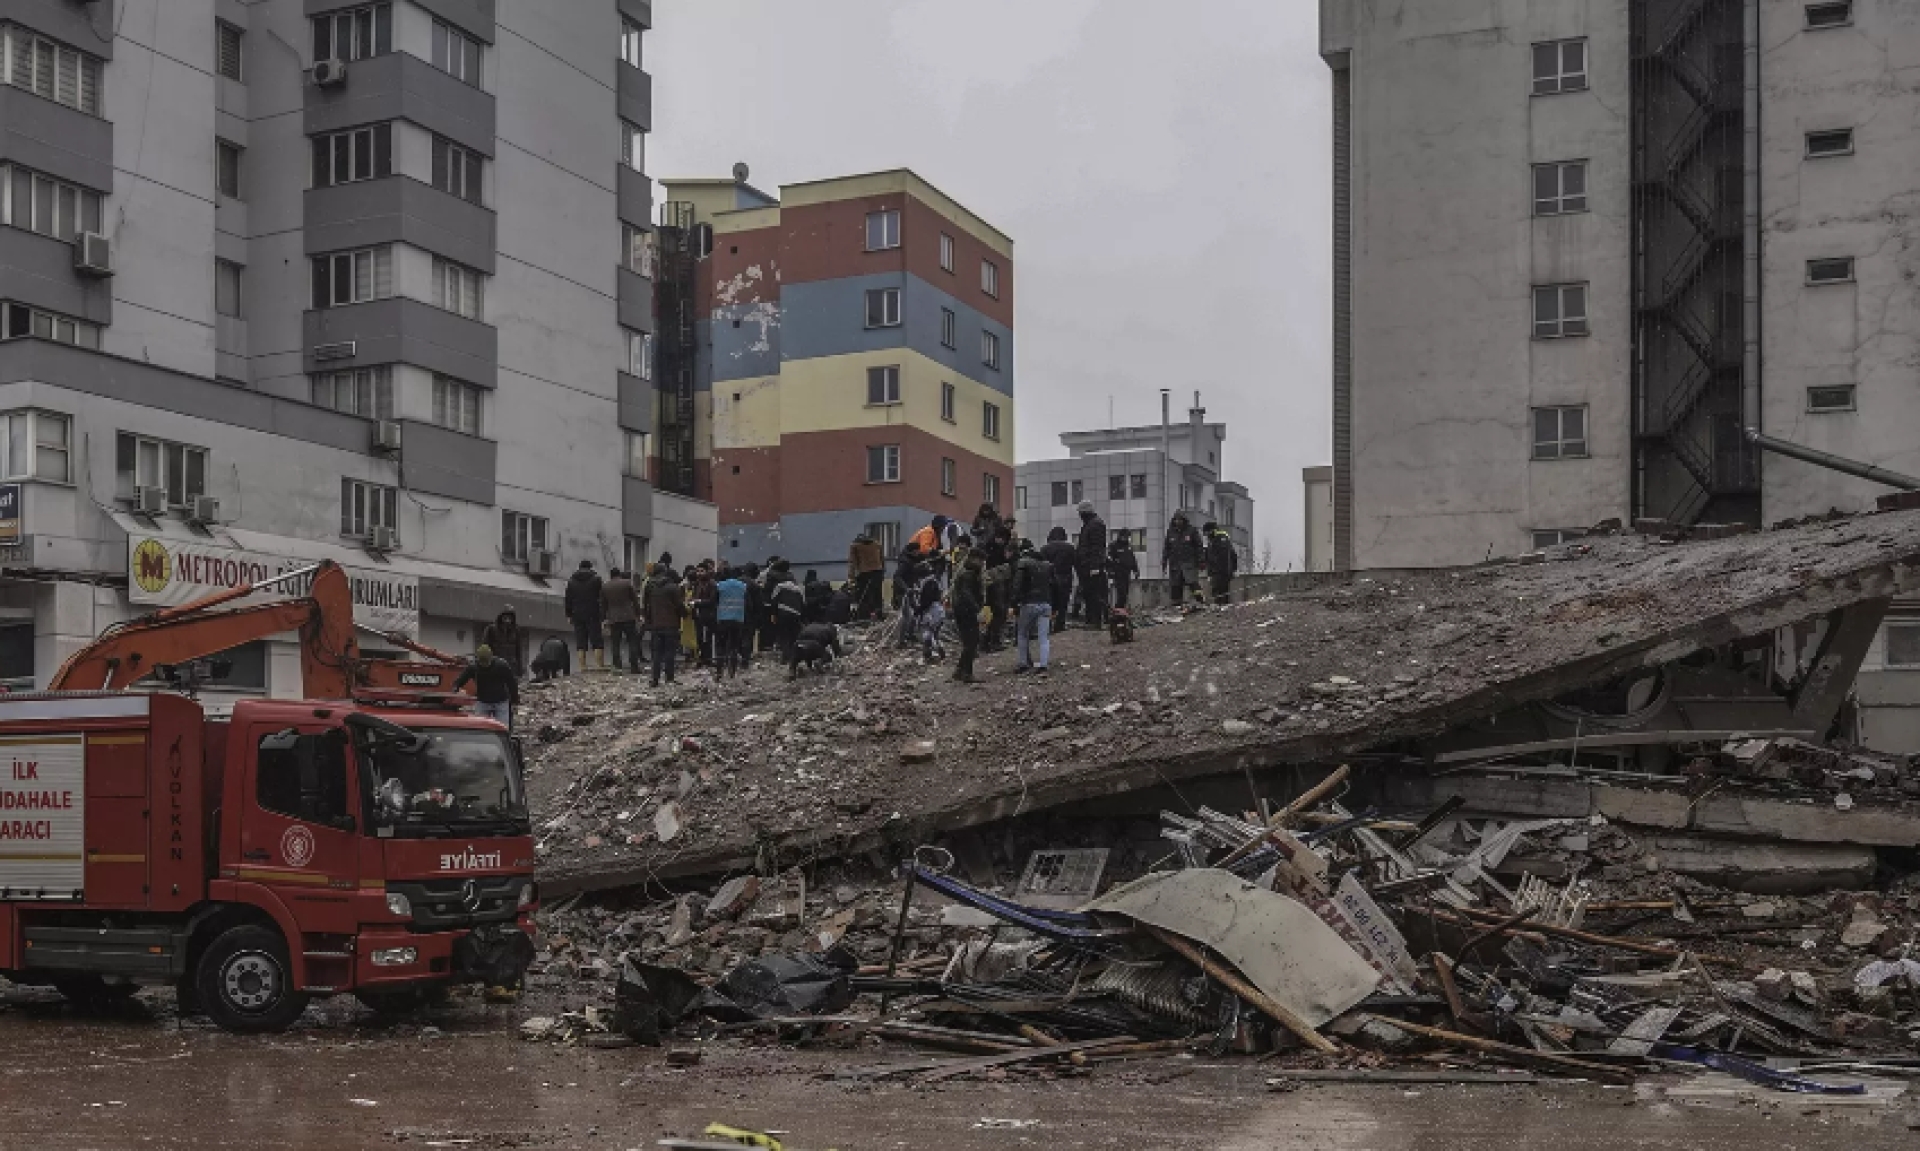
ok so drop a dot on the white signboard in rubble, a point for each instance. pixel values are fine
(1361, 922)
(42, 816)
(169, 572)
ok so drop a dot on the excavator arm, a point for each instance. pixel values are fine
(330, 659)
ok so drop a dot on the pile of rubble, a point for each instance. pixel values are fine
(1344, 942)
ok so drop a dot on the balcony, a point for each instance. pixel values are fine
(62, 142)
(636, 404)
(635, 92)
(442, 462)
(398, 86)
(38, 270)
(403, 331)
(398, 209)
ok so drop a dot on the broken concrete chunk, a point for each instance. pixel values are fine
(666, 822)
(919, 751)
(1236, 727)
(1773, 984)
(1862, 933)
(734, 897)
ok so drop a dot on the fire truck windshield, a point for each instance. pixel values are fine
(447, 780)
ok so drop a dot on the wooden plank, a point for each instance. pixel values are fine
(988, 1062)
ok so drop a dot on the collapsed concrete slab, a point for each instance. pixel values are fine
(761, 775)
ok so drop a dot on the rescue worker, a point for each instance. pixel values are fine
(866, 571)
(1223, 560)
(504, 636)
(816, 642)
(1090, 559)
(789, 608)
(495, 690)
(702, 594)
(931, 614)
(1060, 555)
(620, 604)
(1033, 597)
(666, 606)
(1123, 567)
(553, 661)
(730, 624)
(584, 611)
(1180, 560)
(985, 522)
(819, 595)
(969, 595)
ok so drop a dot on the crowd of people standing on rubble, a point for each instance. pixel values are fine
(995, 586)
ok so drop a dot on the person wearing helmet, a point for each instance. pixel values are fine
(1180, 560)
(1090, 557)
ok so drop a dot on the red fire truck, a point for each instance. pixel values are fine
(377, 842)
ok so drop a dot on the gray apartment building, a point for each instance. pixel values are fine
(286, 280)
(1583, 247)
(1127, 473)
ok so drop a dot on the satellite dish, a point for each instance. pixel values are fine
(739, 173)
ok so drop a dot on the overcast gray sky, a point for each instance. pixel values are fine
(1162, 169)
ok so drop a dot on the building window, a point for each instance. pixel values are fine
(23, 321)
(946, 402)
(364, 507)
(886, 534)
(948, 323)
(633, 146)
(456, 170)
(1559, 310)
(883, 386)
(638, 247)
(636, 465)
(1559, 66)
(883, 307)
(354, 34)
(1560, 433)
(227, 49)
(883, 230)
(1831, 398)
(38, 446)
(1834, 270)
(226, 288)
(456, 53)
(990, 278)
(990, 420)
(990, 349)
(352, 277)
(634, 551)
(990, 489)
(946, 252)
(344, 157)
(1554, 537)
(177, 469)
(883, 464)
(1058, 493)
(1560, 189)
(45, 205)
(456, 405)
(366, 392)
(1829, 15)
(521, 536)
(1138, 483)
(949, 477)
(630, 42)
(49, 69)
(226, 169)
(1116, 488)
(1020, 498)
(1834, 142)
(1903, 645)
(640, 354)
(457, 289)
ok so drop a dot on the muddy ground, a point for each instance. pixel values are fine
(458, 1078)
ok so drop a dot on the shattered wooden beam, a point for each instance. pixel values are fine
(1843, 649)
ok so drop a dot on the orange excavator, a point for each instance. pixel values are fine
(330, 659)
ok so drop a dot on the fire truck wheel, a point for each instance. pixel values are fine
(245, 981)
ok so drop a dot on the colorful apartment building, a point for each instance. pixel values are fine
(851, 361)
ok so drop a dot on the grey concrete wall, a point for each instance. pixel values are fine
(55, 139)
(88, 27)
(1867, 333)
(1445, 254)
(439, 461)
(399, 209)
(399, 86)
(636, 403)
(38, 270)
(403, 330)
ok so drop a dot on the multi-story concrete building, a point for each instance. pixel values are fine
(836, 359)
(300, 279)
(1583, 246)
(1127, 473)
(1317, 543)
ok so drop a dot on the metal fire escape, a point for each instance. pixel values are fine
(676, 347)
(1692, 460)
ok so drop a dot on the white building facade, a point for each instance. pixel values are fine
(304, 279)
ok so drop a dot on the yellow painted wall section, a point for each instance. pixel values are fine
(744, 220)
(830, 393)
(753, 420)
(898, 180)
(709, 198)
(702, 423)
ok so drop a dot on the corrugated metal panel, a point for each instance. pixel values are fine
(1343, 314)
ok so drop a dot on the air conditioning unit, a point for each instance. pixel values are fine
(382, 539)
(329, 73)
(205, 510)
(92, 254)
(345, 350)
(543, 563)
(386, 436)
(150, 501)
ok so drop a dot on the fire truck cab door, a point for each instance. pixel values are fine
(299, 832)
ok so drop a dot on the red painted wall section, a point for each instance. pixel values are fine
(752, 496)
(920, 230)
(827, 471)
(744, 269)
